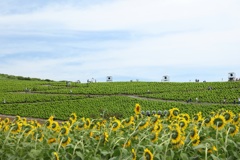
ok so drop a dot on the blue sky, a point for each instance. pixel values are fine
(126, 39)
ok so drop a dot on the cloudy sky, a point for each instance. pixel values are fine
(127, 39)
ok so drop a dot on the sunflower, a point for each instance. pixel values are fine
(148, 154)
(157, 127)
(197, 117)
(51, 118)
(64, 130)
(195, 142)
(214, 148)
(127, 144)
(129, 121)
(74, 117)
(144, 124)
(6, 121)
(80, 125)
(104, 137)
(134, 156)
(87, 123)
(208, 121)
(48, 123)
(65, 141)
(228, 115)
(174, 112)
(16, 128)
(116, 124)
(180, 142)
(38, 135)
(233, 130)
(18, 118)
(27, 129)
(55, 156)
(176, 135)
(218, 122)
(55, 126)
(186, 117)
(183, 123)
(91, 134)
(154, 136)
(137, 109)
(236, 119)
(194, 133)
(155, 119)
(51, 140)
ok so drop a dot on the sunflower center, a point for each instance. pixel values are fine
(218, 122)
(174, 134)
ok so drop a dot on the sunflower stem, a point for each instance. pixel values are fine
(206, 151)
(59, 145)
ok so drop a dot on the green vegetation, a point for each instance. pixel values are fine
(104, 124)
(41, 98)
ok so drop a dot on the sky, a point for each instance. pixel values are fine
(127, 39)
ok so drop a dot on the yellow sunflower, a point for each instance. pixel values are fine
(208, 121)
(157, 127)
(105, 137)
(52, 140)
(74, 117)
(183, 123)
(144, 124)
(154, 119)
(134, 156)
(55, 125)
(197, 117)
(137, 109)
(176, 136)
(87, 123)
(116, 124)
(154, 137)
(6, 121)
(194, 133)
(65, 141)
(55, 156)
(174, 112)
(236, 119)
(233, 130)
(180, 142)
(27, 129)
(16, 128)
(64, 130)
(129, 121)
(48, 123)
(51, 118)
(228, 115)
(127, 144)
(148, 154)
(186, 117)
(196, 142)
(218, 122)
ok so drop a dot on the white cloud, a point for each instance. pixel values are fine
(161, 33)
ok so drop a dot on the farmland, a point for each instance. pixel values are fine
(119, 120)
(41, 99)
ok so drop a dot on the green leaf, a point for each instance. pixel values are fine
(34, 153)
(105, 152)
(200, 146)
(79, 154)
(184, 156)
(214, 157)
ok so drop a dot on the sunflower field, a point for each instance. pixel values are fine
(168, 134)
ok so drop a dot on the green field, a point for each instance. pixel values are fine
(118, 120)
(32, 97)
